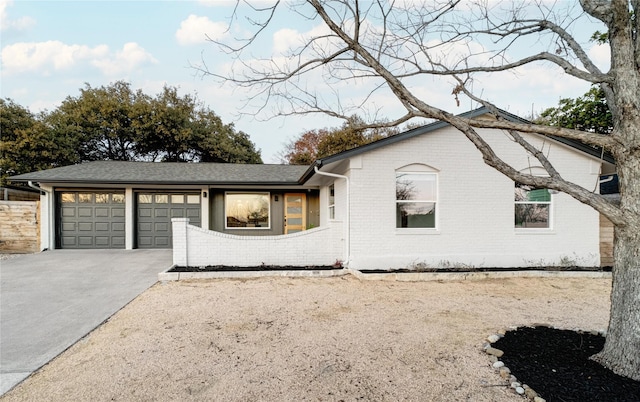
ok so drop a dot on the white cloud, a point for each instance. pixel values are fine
(601, 56)
(126, 60)
(196, 30)
(6, 23)
(50, 56)
(41, 56)
(286, 39)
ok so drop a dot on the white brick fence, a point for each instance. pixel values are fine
(196, 247)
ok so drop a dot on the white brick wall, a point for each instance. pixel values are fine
(475, 212)
(194, 246)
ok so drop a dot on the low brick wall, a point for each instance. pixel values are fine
(19, 226)
(196, 247)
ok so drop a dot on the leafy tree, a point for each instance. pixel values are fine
(106, 121)
(589, 112)
(218, 142)
(304, 150)
(399, 46)
(169, 128)
(315, 144)
(117, 123)
(343, 139)
(180, 129)
(27, 143)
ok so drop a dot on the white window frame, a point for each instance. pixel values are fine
(430, 201)
(550, 203)
(268, 195)
(330, 198)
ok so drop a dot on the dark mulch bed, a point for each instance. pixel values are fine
(555, 363)
(481, 269)
(226, 268)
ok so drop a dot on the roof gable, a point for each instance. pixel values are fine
(429, 128)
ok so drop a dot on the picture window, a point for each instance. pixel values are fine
(247, 211)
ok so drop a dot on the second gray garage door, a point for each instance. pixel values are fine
(154, 213)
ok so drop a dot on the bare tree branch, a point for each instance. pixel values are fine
(398, 49)
(393, 49)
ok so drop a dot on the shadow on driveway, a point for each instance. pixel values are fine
(50, 300)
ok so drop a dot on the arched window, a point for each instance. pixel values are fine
(416, 196)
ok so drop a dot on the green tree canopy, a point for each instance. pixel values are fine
(589, 112)
(27, 143)
(117, 123)
(105, 120)
(316, 144)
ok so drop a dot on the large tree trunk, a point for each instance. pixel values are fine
(621, 352)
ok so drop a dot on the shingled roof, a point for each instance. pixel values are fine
(118, 172)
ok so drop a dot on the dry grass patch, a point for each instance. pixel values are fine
(311, 339)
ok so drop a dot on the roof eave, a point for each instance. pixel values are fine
(161, 182)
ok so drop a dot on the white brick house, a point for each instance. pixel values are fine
(420, 199)
(473, 222)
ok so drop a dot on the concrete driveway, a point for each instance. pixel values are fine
(50, 300)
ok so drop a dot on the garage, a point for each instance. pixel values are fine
(88, 219)
(154, 213)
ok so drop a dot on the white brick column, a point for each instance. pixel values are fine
(180, 251)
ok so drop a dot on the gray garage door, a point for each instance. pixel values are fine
(154, 213)
(91, 219)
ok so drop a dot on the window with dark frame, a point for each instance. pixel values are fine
(247, 210)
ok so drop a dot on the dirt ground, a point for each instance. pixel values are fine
(303, 339)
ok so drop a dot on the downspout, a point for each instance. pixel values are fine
(601, 181)
(607, 180)
(50, 214)
(347, 226)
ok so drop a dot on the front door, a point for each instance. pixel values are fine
(295, 212)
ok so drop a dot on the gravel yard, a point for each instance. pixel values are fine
(331, 339)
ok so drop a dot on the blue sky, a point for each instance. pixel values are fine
(50, 49)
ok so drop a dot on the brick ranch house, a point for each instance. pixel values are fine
(419, 199)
